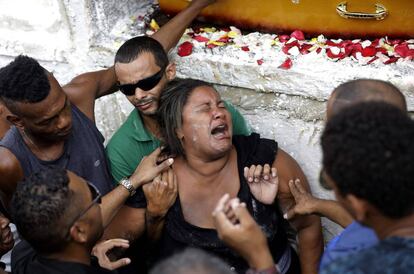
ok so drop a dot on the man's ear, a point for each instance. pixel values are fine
(15, 120)
(359, 207)
(78, 232)
(170, 71)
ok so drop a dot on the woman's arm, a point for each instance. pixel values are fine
(308, 226)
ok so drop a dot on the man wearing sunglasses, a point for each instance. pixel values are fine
(58, 213)
(55, 125)
(143, 70)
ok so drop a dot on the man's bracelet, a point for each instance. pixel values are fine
(125, 182)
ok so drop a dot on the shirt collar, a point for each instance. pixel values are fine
(140, 131)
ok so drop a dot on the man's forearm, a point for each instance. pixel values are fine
(170, 33)
(112, 202)
(310, 245)
(333, 211)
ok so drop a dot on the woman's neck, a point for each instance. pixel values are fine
(207, 168)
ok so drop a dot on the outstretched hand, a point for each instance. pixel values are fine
(237, 228)
(100, 250)
(149, 168)
(263, 182)
(305, 202)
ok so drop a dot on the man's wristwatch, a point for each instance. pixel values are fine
(125, 182)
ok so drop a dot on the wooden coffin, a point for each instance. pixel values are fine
(352, 18)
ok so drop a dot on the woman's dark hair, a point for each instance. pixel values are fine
(172, 102)
(368, 151)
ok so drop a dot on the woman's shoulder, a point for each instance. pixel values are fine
(254, 150)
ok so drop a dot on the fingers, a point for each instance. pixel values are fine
(110, 244)
(221, 222)
(242, 214)
(246, 173)
(274, 172)
(294, 190)
(221, 203)
(155, 154)
(300, 187)
(117, 264)
(266, 172)
(257, 173)
(165, 164)
(175, 184)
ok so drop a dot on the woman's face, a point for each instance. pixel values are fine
(206, 129)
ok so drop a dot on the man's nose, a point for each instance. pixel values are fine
(140, 94)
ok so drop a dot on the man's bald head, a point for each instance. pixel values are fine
(364, 90)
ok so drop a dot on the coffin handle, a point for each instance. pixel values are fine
(380, 12)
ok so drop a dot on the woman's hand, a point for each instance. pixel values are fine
(263, 182)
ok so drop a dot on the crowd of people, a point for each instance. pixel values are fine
(184, 186)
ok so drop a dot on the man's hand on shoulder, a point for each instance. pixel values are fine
(149, 168)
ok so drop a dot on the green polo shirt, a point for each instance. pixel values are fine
(133, 141)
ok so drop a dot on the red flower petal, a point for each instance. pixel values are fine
(284, 38)
(404, 51)
(287, 64)
(369, 51)
(260, 62)
(293, 44)
(298, 35)
(318, 50)
(394, 42)
(391, 60)
(332, 44)
(245, 48)
(211, 46)
(287, 47)
(285, 50)
(305, 49)
(372, 60)
(200, 38)
(224, 39)
(356, 48)
(375, 42)
(331, 55)
(185, 49)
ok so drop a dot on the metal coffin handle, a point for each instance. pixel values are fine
(380, 12)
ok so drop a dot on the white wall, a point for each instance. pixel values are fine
(73, 36)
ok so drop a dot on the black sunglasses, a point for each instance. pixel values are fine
(96, 199)
(144, 84)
